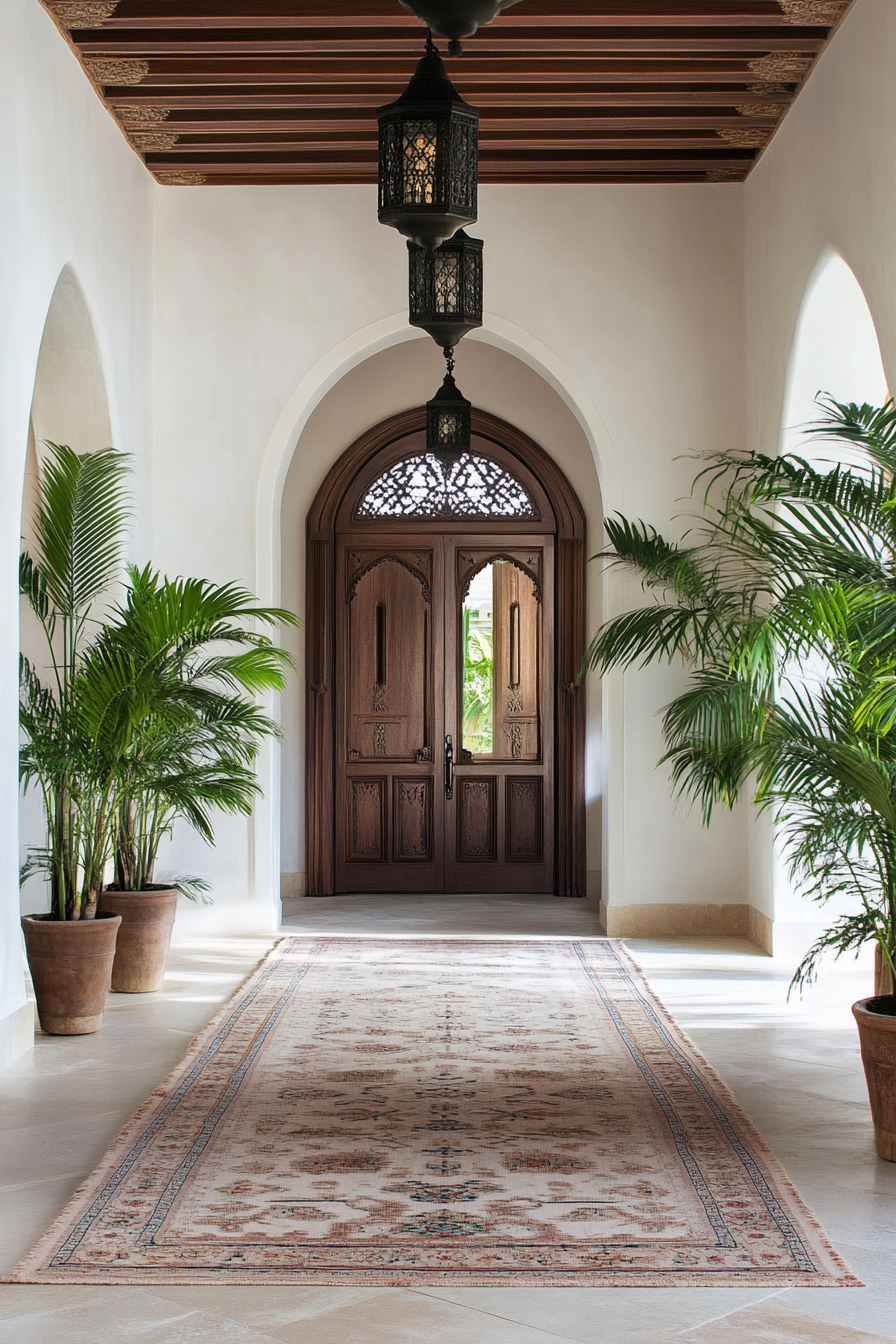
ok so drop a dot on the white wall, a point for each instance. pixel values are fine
(71, 192)
(825, 186)
(627, 302)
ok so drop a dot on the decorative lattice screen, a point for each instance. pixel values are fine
(416, 488)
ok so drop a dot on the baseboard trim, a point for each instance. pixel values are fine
(293, 885)
(16, 1034)
(761, 931)
(673, 920)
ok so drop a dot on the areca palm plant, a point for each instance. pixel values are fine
(139, 717)
(782, 602)
(80, 519)
(187, 646)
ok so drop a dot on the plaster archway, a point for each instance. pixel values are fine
(503, 338)
(71, 401)
(835, 350)
(69, 404)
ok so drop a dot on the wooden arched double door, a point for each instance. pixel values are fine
(444, 629)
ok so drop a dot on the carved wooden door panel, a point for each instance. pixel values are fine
(499, 694)
(445, 715)
(390, 816)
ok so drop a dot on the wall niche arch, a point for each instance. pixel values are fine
(556, 509)
(69, 404)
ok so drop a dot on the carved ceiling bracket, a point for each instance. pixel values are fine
(820, 13)
(746, 139)
(180, 179)
(108, 70)
(153, 142)
(83, 13)
(141, 118)
(780, 65)
(762, 109)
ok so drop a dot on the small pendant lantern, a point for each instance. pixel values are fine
(448, 421)
(428, 156)
(445, 288)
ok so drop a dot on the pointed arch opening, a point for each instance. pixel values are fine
(835, 352)
(69, 404)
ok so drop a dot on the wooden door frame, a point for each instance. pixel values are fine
(320, 661)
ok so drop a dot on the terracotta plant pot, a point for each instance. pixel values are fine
(71, 966)
(147, 918)
(876, 1020)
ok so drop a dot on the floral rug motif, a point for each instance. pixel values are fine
(374, 1111)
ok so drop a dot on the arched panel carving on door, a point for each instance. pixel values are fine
(518, 470)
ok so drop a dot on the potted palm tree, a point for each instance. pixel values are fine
(193, 664)
(147, 715)
(782, 601)
(79, 525)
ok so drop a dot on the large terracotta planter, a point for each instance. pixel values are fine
(147, 918)
(876, 1020)
(71, 966)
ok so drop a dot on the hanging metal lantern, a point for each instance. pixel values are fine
(448, 422)
(445, 288)
(429, 157)
(456, 18)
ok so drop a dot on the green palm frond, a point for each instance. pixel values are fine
(783, 606)
(81, 518)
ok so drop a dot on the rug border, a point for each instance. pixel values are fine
(27, 1270)
(737, 1112)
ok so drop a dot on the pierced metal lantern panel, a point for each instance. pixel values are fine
(448, 423)
(428, 157)
(445, 288)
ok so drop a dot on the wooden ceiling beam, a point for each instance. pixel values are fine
(332, 167)
(191, 124)
(144, 45)
(530, 99)
(293, 13)
(391, 76)
(322, 142)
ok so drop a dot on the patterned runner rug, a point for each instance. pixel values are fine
(427, 1111)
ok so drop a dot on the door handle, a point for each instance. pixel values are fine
(449, 767)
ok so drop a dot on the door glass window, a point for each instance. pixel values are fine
(499, 636)
(479, 664)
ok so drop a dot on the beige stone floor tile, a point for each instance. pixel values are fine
(772, 1322)
(604, 1315)
(123, 1315)
(74, 1095)
(27, 1299)
(47, 1148)
(456, 916)
(403, 1317)
(867, 1218)
(872, 1308)
(28, 1210)
(266, 1307)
